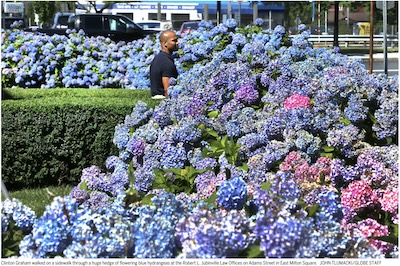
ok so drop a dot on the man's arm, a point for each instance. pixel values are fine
(165, 82)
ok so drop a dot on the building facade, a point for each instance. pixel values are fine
(177, 11)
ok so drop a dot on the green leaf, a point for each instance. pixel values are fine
(390, 239)
(211, 200)
(327, 148)
(266, 186)
(213, 114)
(224, 140)
(345, 121)
(325, 154)
(177, 171)
(8, 253)
(372, 117)
(255, 252)
(147, 199)
(312, 210)
(244, 167)
(83, 186)
(212, 133)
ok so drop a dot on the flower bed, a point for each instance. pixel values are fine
(267, 147)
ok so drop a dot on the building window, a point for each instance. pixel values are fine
(153, 16)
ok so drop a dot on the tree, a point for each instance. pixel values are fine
(303, 10)
(392, 17)
(45, 10)
(96, 7)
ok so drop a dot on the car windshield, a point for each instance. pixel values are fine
(192, 25)
(63, 20)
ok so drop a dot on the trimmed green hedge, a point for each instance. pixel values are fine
(49, 136)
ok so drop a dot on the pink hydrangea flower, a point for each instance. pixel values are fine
(303, 171)
(291, 161)
(390, 201)
(297, 101)
(371, 228)
(358, 195)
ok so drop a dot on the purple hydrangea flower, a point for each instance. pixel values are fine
(247, 94)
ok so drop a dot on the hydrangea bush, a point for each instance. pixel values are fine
(267, 147)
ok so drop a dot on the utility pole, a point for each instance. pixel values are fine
(219, 12)
(371, 37)
(336, 26)
(385, 8)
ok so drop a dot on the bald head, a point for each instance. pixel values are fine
(168, 41)
(165, 35)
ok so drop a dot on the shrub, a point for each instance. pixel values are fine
(49, 136)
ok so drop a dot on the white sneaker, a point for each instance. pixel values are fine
(158, 97)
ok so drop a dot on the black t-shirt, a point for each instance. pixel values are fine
(162, 66)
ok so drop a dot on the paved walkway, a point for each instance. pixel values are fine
(378, 62)
(378, 56)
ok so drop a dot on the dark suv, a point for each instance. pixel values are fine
(116, 27)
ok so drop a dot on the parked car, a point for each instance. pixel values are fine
(116, 27)
(188, 27)
(61, 20)
(155, 25)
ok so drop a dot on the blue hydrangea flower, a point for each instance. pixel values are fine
(231, 23)
(186, 132)
(386, 115)
(139, 115)
(111, 162)
(50, 235)
(232, 194)
(155, 228)
(283, 237)
(355, 110)
(209, 233)
(239, 39)
(121, 136)
(346, 139)
(136, 146)
(259, 21)
(79, 195)
(12, 210)
(230, 52)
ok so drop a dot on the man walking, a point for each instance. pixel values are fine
(162, 67)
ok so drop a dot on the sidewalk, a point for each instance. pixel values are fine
(378, 56)
(379, 63)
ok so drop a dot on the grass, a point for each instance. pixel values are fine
(38, 198)
(75, 97)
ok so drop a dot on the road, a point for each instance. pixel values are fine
(378, 63)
